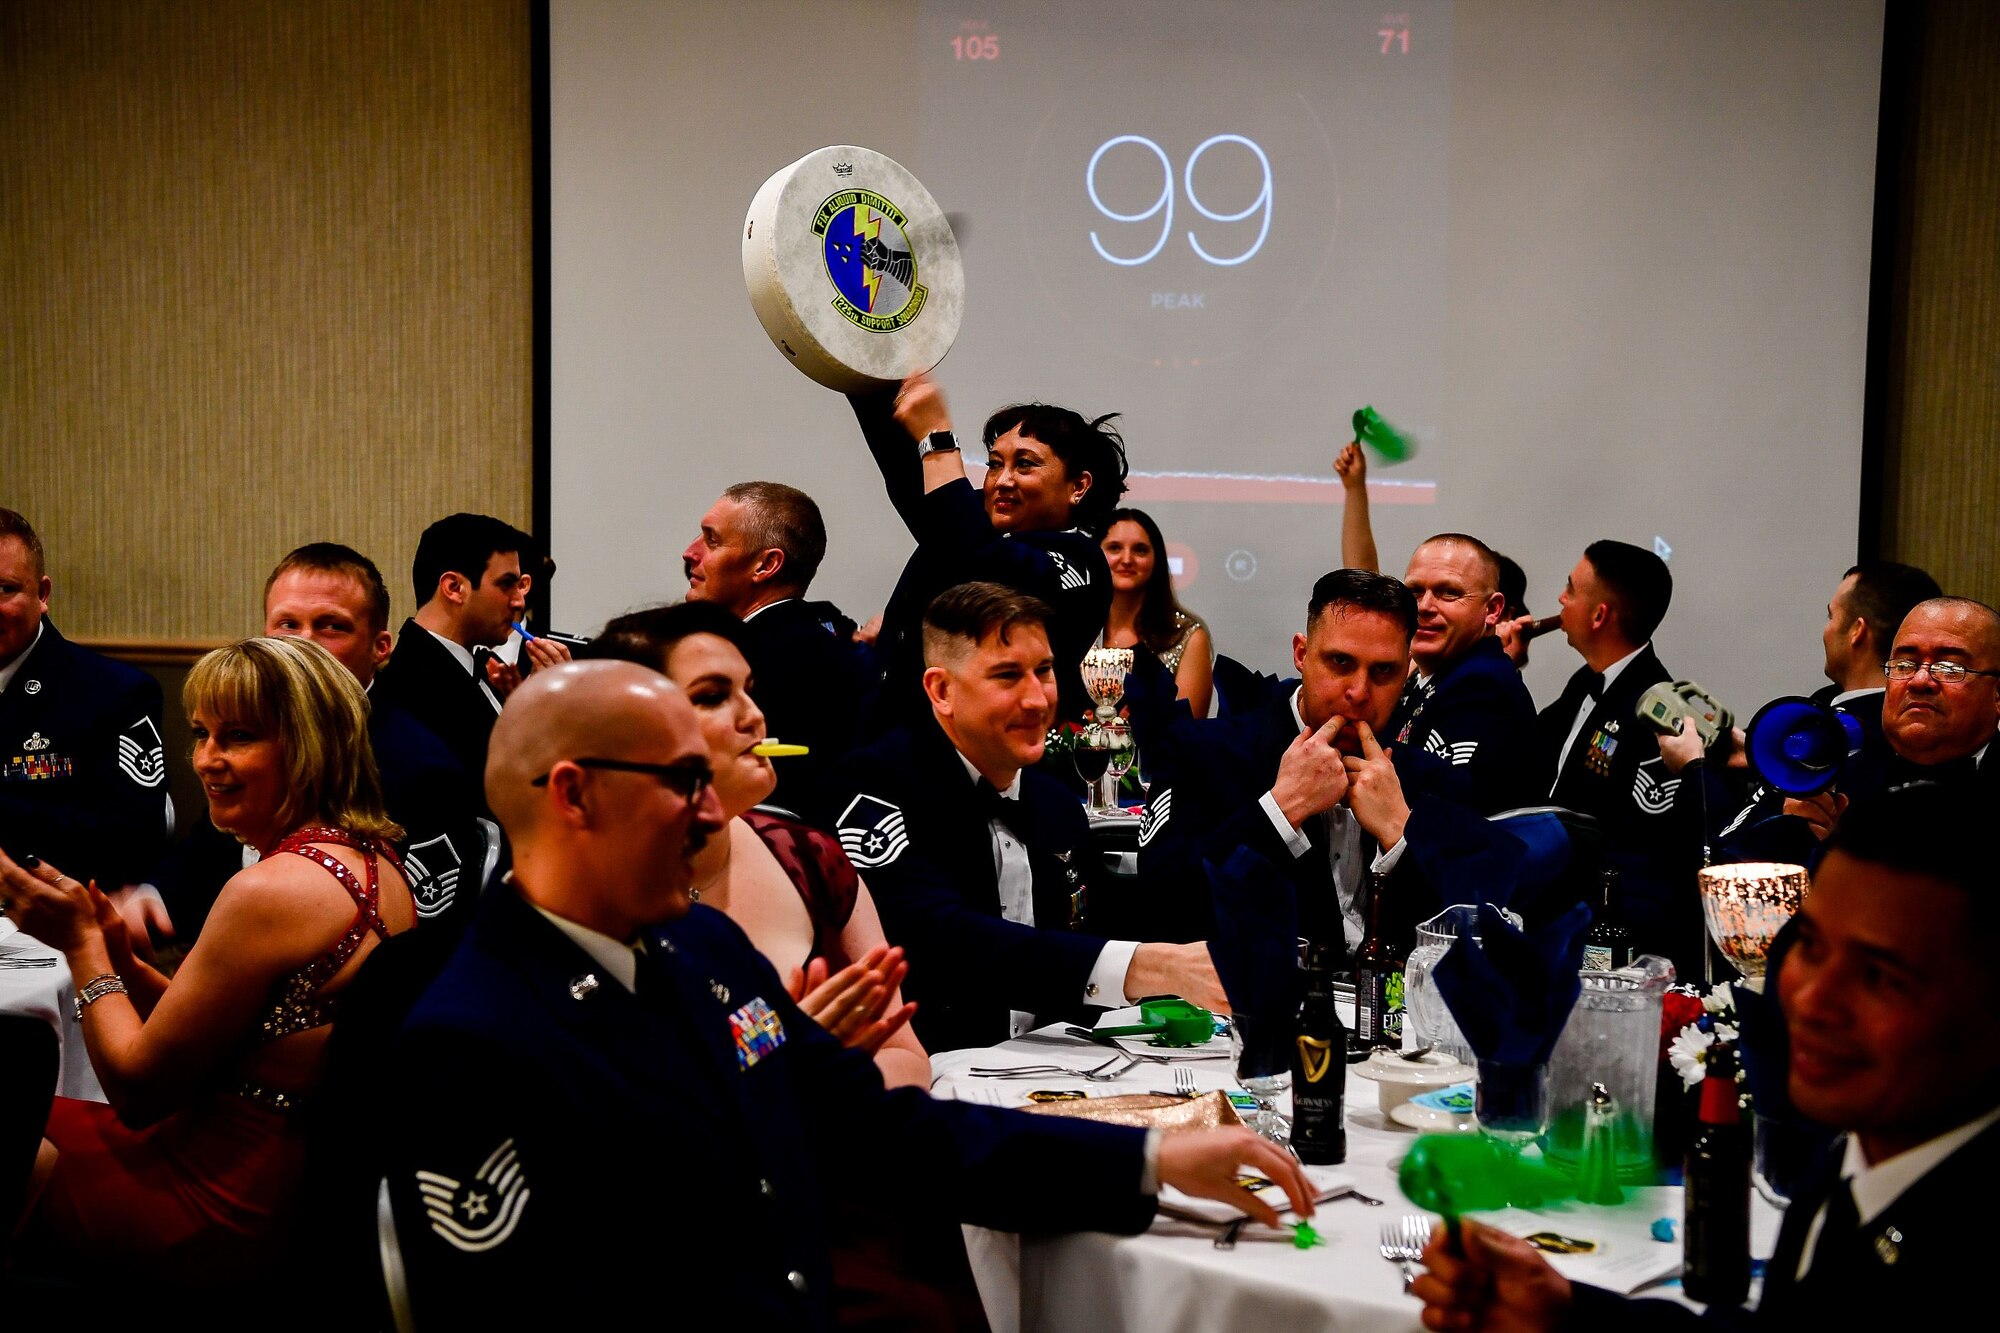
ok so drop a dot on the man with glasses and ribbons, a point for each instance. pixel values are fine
(608, 1093)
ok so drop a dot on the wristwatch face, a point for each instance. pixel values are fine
(939, 442)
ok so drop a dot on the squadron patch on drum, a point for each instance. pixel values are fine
(871, 832)
(141, 756)
(869, 260)
(482, 1212)
(434, 867)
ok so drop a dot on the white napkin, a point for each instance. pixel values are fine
(1175, 1203)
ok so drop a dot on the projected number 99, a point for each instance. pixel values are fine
(1163, 206)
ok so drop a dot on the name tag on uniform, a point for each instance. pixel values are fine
(758, 1031)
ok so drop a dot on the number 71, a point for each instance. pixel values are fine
(1391, 36)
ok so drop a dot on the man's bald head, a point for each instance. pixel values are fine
(1925, 721)
(605, 709)
(599, 772)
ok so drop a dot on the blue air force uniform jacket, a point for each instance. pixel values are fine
(567, 1151)
(911, 823)
(813, 683)
(956, 543)
(1477, 716)
(83, 769)
(424, 680)
(1907, 1267)
(1205, 803)
(1614, 773)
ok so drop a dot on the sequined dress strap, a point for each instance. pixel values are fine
(295, 1004)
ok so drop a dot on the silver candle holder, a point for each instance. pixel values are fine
(1745, 905)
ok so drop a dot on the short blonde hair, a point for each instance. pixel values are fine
(295, 690)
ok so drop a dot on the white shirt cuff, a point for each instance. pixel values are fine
(1149, 1175)
(1385, 861)
(1295, 842)
(1106, 986)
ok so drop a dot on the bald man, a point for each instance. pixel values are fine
(608, 1099)
(1940, 712)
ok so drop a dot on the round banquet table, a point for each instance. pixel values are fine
(1172, 1277)
(47, 993)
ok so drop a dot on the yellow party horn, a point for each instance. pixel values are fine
(773, 749)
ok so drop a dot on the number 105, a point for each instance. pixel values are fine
(976, 47)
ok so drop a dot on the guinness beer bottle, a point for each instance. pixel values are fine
(1319, 1069)
(1716, 1263)
(1378, 980)
(1608, 946)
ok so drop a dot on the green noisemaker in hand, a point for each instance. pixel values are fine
(1388, 443)
(1172, 1022)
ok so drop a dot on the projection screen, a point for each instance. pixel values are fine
(1606, 264)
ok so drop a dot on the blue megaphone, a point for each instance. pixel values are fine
(1800, 747)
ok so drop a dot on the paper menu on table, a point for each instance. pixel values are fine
(1175, 1203)
(1627, 1256)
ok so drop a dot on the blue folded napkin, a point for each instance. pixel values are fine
(1512, 992)
(1256, 941)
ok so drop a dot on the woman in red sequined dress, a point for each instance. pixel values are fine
(186, 1176)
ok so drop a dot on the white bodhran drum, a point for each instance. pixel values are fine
(852, 269)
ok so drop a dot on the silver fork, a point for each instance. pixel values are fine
(1184, 1082)
(1101, 1074)
(1403, 1243)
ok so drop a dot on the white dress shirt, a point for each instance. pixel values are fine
(766, 607)
(463, 656)
(1590, 701)
(1343, 846)
(1876, 1187)
(1016, 879)
(620, 961)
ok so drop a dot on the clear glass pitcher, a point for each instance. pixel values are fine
(1613, 1038)
(1426, 1020)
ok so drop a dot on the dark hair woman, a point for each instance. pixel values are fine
(1145, 612)
(1052, 479)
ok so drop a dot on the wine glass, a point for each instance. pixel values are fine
(1092, 757)
(1123, 755)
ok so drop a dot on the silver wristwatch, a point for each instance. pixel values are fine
(937, 442)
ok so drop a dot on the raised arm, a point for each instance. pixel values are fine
(1357, 534)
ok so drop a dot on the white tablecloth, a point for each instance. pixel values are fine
(47, 993)
(1173, 1277)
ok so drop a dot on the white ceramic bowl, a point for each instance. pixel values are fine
(1397, 1080)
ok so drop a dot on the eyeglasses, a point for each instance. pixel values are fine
(689, 780)
(1944, 673)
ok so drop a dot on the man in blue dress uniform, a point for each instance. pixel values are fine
(1465, 702)
(609, 1085)
(83, 771)
(981, 863)
(1304, 782)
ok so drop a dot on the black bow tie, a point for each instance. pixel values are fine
(480, 657)
(1012, 814)
(1592, 682)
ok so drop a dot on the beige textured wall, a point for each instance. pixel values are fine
(1941, 507)
(265, 277)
